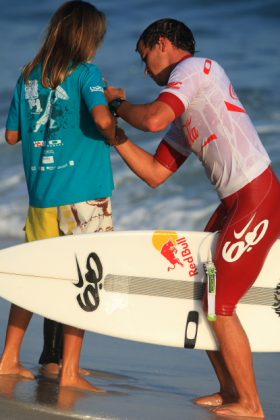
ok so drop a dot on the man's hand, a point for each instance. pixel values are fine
(120, 138)
(112, 93)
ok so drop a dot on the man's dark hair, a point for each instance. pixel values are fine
(177, 32)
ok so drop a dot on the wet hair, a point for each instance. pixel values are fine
(177, 32)
(74, 33)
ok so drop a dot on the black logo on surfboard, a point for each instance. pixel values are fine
(88, 299)
(191, 329)
(276, 304)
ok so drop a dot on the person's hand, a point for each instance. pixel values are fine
(112, 93)
(120, 137)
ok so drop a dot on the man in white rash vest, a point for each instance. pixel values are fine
(204, 116)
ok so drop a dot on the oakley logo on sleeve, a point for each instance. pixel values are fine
(232, 251)
(96, 89)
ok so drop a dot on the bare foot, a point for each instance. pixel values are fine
(80, 383)
(215, 400)
(15, 369)
(84, 372)
(238, 410)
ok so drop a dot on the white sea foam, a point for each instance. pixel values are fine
(9, 183)
(268, 128)
(12, 218)
(184, 202)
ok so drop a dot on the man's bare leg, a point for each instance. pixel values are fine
(227, 391)
(18, 322)
(235, 349)
(70, 373)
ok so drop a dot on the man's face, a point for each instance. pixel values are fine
(156, 62)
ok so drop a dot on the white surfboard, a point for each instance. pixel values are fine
(137, 285)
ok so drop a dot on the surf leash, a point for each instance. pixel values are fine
(210, 271)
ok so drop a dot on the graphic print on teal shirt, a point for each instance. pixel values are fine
(66, 159)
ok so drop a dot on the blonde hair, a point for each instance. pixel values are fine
(74, 34)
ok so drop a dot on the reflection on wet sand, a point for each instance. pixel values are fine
(46, 392)
(8, 385)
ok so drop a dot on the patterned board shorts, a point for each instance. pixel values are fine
(85, 217)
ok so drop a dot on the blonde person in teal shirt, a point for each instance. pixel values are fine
(60, 114)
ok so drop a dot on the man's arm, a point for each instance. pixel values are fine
(155, 116)
(141, 162)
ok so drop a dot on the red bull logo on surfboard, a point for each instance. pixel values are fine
(175, 250)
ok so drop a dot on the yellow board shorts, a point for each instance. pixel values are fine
(85, 217)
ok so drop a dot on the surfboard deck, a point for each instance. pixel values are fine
(138, 285)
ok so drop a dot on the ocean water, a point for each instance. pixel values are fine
(144, 381)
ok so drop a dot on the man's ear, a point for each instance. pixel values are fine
(163, 43)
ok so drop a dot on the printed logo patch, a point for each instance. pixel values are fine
(96, 89)
(175, 250)
(47, 159)
(49, 143)
(191, 131)
(39, 143)
(88, 299)
(174, 85)
(207, 66)
(232, 251)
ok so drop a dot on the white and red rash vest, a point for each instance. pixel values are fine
(212, 123)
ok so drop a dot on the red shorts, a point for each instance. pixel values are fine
(249, 224)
